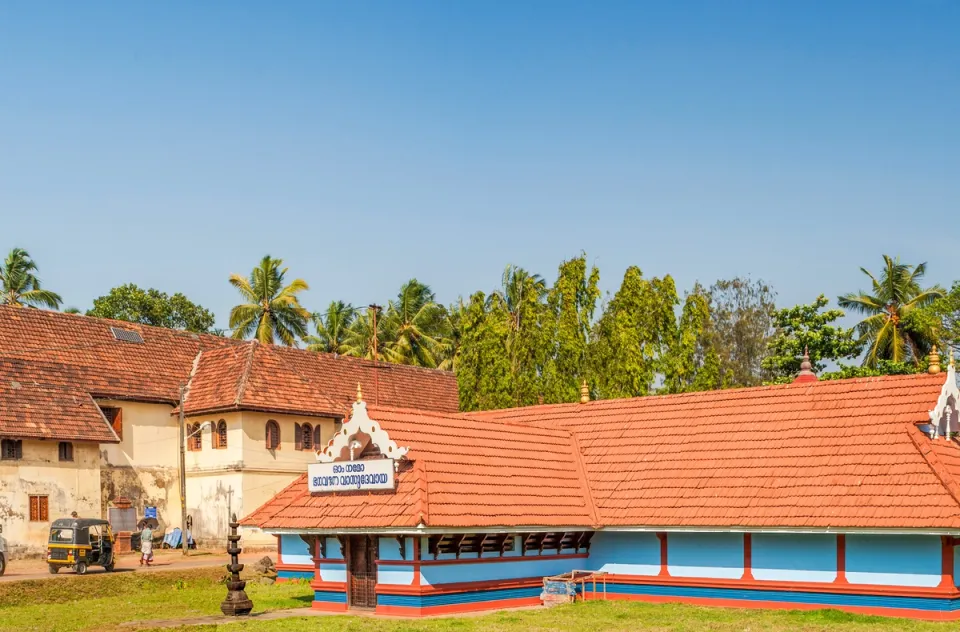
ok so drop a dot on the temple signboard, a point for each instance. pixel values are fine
(344, 476)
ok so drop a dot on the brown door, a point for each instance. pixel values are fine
(363, 571)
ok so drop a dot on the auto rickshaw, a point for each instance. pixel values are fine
(3, 552)
(80, 543)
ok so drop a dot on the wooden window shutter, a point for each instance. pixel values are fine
(44, 514)
(118, 423)
(34, 508)
(298, 437)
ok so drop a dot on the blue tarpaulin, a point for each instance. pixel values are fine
(174, 539)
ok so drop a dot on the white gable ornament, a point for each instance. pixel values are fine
(943, 417)
(332, 475)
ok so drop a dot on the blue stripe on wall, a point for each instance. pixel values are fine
(328, 596)
(295, 574)
(426, 601)
(824, 599)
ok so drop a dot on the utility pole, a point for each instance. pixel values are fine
(183, 476)
(376, 355)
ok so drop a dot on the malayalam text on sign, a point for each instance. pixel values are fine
(351, 476)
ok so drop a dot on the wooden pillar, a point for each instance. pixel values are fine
(317, 557)
(946, 563)
(664, 568)
(747, 557)
(416, 560)
(841, 559)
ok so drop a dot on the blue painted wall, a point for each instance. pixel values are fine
(625, 553)
(794, 557)
(293, 550)
(333, 572)
(389, 549)
(894, 560)
(708, 555)
(487, 571)
(333, 549)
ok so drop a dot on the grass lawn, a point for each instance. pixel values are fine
(105, 602)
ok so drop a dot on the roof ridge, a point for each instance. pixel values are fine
(423, 492)
(585, 479)
(245, 375)
(933, 461)
(193, 374)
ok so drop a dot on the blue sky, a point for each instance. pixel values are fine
(170, 144)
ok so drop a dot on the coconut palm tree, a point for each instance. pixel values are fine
(888, 329)
(332, 327)
(448, 353)
(359, 340)
(272, 311)
(517, 285)
(414, 326)
(19, 284)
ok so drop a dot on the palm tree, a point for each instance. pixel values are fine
(888, 329)
(272, 310)
(20, 285)
(448, 352)
(516, 285)
(359, 339)
(332, 327)
(414, 326)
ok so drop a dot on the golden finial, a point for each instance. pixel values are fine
(584, 393)
(934, 361)
(359, 393)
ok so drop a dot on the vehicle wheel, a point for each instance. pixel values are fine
(109, 567)
(54, 569)
(3, 564)
(81, 568)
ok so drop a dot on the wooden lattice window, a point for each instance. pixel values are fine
(272, 432)
(220, 435)
(194, 437)
(115, 417)
(11, 449)
(39, 509)
(316, 438)
(307, 441)
(66, 451)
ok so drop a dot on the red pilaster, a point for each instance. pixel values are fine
(317, 558)
(416, 560)
(747, 556)
(664, 569)
(946, 563)
(841, 559)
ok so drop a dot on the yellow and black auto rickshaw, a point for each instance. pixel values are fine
(79, 543)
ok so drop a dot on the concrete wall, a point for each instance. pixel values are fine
(707, 555)
(625, 553)
(794, 557)
(69, 486)
(894, 560)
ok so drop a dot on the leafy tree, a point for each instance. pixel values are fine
(19, 283)
(272, 311)
(72, 310)
(890, 329)
(152, 307)
(484, 371)
(692, 363)
(741, 311)
(521, 303)
(414, 326)
(571, 303)
(332, 327)
(941, 316)
(807, 327)
(448, 353)
(883, 367)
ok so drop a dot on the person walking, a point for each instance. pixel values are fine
(146, 544)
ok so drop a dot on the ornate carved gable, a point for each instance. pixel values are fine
(944, 417)
(358, 436)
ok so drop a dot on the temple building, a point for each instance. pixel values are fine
(814, 494)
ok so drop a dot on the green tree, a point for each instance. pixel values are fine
(741, 311)
(360, 340)
(807, 327)
(332, 327)
(272, 311)
(941, 316)
(19, 283)
(484, 372)
(414, 326)
(571, 304)
(692, 362)
(521, 303)
(890, 330)
(152, 307)
(451, 345)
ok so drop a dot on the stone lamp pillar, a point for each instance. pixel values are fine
(237, 603)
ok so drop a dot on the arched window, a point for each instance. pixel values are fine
(307, 441)
(273, 435)
(220, 435)
(194, 437)
(317, 442)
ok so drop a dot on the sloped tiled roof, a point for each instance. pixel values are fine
(821, 455)
(463, 473)
(266, 377)
(37, 404)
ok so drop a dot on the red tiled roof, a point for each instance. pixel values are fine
(463, 473)
(281, 379)
(37, 404)
(837, 454)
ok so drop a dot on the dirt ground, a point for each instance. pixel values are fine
(163, 560)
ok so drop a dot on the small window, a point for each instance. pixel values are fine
(195, 437)
(307, 441)
(220, 436)
(11, 449)
(273, 435)
(39, 509)
(316, 438)
(66, 451)
(115, 418)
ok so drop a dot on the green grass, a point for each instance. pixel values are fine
(104, 603)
